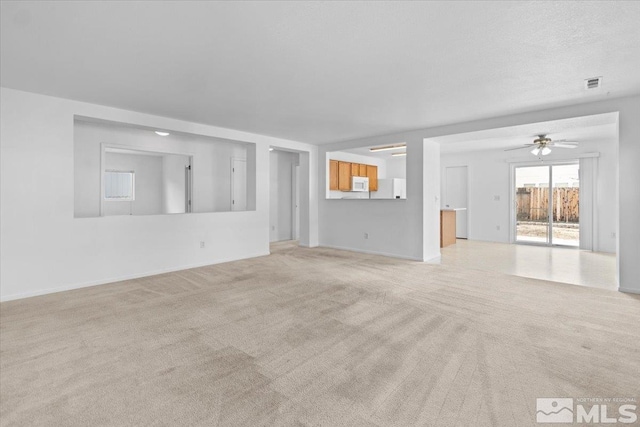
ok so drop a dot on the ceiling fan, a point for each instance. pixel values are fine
(542, 145)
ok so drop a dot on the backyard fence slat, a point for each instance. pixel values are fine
(533, 204)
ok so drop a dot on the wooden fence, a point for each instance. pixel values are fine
(533, 204)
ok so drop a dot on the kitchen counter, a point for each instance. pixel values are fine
(448, 226)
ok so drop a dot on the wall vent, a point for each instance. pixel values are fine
(593, 83)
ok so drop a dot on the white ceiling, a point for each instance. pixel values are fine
(134, 152)
(601, 128)
(322, 71)
(364, 151)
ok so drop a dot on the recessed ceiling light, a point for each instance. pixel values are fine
(388, 147)
(404, 153)
(162, 133)
(270, 149)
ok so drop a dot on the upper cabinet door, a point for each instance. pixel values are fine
(355, 169)
(333, 175)
(372, 173)
(344, 176)
(362, 170)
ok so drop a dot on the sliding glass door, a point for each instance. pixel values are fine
(566, 205)
(547, 200)
(532, 204)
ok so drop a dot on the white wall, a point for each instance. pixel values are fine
(281, 194)
(489, 176)
(37, 213)
(45, 249)
(309, 209)
(394, 227)
(148, 184)
(173, 183)
(396, 168)
(430, 201)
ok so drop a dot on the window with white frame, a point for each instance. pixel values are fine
(119, 185)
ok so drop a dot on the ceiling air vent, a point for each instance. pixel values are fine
(593, 83)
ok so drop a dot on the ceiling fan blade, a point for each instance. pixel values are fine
(519, 148)
(565, 145)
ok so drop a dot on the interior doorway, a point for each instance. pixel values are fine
(456, 196)
(238, 184)
(547, 204)
(284, 195)
(295, 205)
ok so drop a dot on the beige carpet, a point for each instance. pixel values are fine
(314, 337)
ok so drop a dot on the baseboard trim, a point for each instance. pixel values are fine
(48, 291)
(629, 291)
(305, 245)
(369, 252)
(434, 260)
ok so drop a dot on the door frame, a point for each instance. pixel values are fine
(232, 174)
(188, 188)
(444, 186)
(294, 200)
(513, 223)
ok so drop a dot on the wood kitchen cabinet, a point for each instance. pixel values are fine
(340, 174)
(372, 173)
(333, 175)
(344, 176)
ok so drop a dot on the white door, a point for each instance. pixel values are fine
(238, 184)
(455, 194)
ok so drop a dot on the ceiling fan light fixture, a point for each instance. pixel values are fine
(542, 145)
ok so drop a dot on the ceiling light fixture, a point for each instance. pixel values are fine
(388, 147)
(541, 150)
(270, 148)
(162, 133)
(404, 153)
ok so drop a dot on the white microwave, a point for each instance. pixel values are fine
(359, 183)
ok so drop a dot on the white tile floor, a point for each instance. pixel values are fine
(566, 265)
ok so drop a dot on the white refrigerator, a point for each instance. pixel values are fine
(390, 188)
